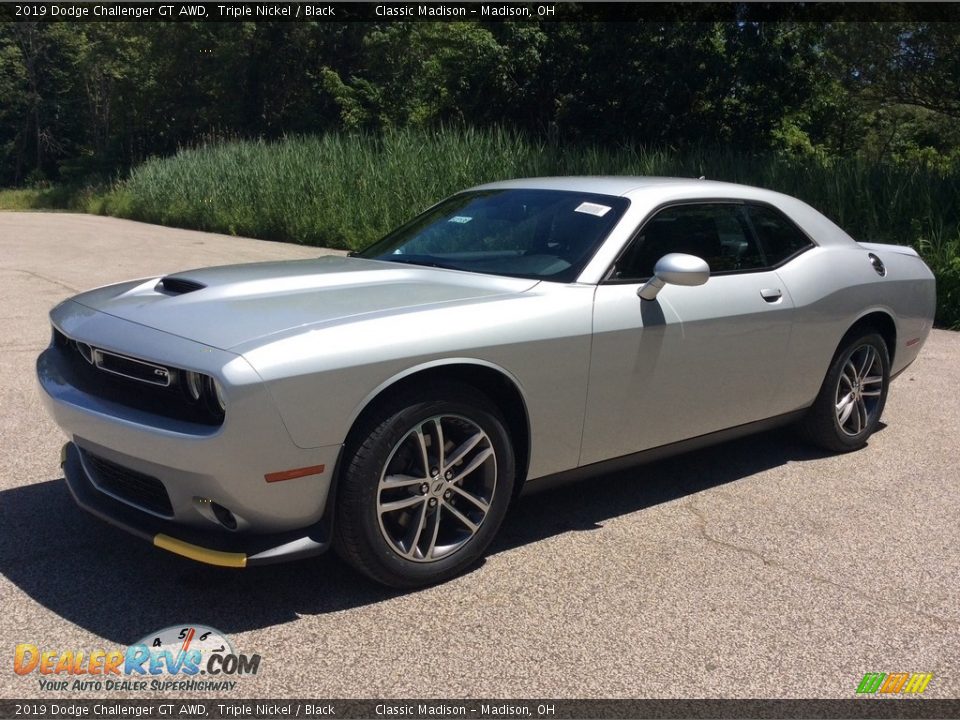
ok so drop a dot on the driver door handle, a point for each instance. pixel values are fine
(771, 295)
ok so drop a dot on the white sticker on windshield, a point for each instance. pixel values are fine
(593, 209)
(462, 219)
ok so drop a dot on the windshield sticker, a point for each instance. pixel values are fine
(462, 219)
(593, 209)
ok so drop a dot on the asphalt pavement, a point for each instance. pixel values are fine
(760, 568)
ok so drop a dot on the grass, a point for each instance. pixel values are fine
(75, 198)
(347, 190)
(39, 199)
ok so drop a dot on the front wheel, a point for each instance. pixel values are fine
(851, 400)
(426, 487)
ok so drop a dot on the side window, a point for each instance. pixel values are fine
(778, 236)
(715, 232)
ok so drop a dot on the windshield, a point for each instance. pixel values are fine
(538, 234)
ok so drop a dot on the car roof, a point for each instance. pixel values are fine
(655, 190)
(612, 184)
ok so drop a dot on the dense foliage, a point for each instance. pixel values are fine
(87, 99)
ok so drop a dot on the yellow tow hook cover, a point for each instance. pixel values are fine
(200, 554)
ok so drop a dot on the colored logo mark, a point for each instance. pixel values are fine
(894, 683)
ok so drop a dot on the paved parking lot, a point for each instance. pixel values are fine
(759, 568)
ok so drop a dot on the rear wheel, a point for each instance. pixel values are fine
(851, 400)
(426, 487)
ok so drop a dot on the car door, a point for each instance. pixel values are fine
(695, 359)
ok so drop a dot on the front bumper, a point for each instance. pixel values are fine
(211, 547)
(232, 494)
(230, 464)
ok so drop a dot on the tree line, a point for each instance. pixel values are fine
(83, 102)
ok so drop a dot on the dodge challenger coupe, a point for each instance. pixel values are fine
(394, 402)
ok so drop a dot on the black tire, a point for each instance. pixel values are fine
(823, 424)
(372, 540)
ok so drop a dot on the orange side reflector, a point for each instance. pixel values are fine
(914, 341)
(291, 474)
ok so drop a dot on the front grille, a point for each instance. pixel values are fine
(132, 487)
(132, 368)
(130, 382)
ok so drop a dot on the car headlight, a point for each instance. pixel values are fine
(206, 391)
(217, 395)
(194, 384)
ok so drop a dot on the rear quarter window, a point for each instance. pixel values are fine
(779, 236)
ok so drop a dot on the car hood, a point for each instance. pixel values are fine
(230, 305)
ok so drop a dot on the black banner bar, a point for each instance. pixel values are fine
(431, 11)
(873, 707)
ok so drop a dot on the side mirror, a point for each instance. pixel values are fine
(676, 269)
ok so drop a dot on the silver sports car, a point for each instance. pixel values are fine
(394, 402)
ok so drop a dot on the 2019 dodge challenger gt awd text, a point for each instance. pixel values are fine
(392, 403)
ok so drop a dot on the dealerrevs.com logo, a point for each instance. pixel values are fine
(186, 657)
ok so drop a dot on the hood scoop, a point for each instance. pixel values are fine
(178, 286)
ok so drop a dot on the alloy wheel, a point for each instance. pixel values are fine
(859, 389)
(436, 488)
